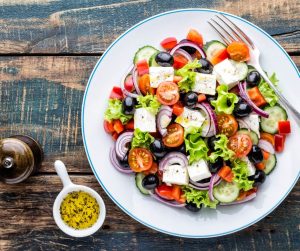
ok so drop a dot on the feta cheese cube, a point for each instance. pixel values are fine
(190, 118)
(144, 120)
(176, 174)
(205, 83)
(199, 170)
(251, 167)
(160, 74)
(226, 73)
(251, 121)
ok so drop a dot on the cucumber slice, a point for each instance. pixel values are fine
(152, 61)
(226, 192)
(144, 53)
(251, 134)
(138, 181)
(270, 164)
(241, 69)
(212, 47)
(276, 114)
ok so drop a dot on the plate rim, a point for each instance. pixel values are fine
(84, 138)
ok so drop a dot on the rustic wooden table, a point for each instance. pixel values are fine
(48, 49)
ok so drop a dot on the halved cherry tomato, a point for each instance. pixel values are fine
(219, 56)
(165, 191)
(169, 43)
(130, 125)
(167, 93)
(256, 96)
(175, 136)
(152, 170)
(115, 136)
(142, 67)
(241, 144)
(108, 126)
(118, 126)
(226, 173)
(243, 194)
(195, 37)
(284, 127)
(129, 83)
(144, 85)
(178, 108)
(238, 51)
(268, 137)
(177, 79)
(201, 98)
(140, 159)
(179, 61)
(279, 142)
(227, 124)
(116, 93)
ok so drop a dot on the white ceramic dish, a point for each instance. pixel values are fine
(68, 188)
(121, 188)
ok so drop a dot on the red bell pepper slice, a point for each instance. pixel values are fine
(142, 67)
(279, 142)
(284, 127)
(169, 43)
(116, 93)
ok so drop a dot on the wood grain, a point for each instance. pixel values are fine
(26, 222)
(90, 26)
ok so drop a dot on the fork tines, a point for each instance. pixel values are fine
(229, 31)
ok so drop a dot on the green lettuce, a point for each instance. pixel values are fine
(221, 149)
(141, 139)
(150, 102)
(188, 74)
(267, 91)
(241, 172)
(114, 111)
(198, 197)
(225, 101)
(196, 147)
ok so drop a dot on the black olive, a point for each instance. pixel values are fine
(216, 166)
(158, 148)
(182, 95)
(253, 78)
(228, 163)
(128, 105)
(192, 207)
(124, 162)
(210, 98)
(242, 109)
(181, 149)
(164, 59)
(259, 177)
(150, 181)
(211, 142)
(255, 155)
(190, 99)
(188, 49)
(206, 66)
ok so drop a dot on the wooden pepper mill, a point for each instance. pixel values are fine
(20, 157)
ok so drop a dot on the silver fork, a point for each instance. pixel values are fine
(233, 33)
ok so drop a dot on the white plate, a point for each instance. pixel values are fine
(121, 187)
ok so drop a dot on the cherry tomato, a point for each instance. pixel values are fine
(178, 108)
(195, 37)
(179, 61)
(241, 144)
(175, 136)
(144, 85)
(219, 56)
(116, 93)
(238, 51)
(152, 170)
(167, 93)
(169, 43)
(227, 124)
(140, 159)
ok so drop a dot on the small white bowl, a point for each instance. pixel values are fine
(68, 188)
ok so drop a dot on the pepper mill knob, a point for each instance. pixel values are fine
(20, 157)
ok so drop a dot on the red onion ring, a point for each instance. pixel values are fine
(122, 141)
(190, 44)
(182, 53)
(250, 197)
(126, 92)
(213, 120)
(206, 128)
(266, 146)
(173, 158)
(211, 186)
(114, 161)
(135, 80)
(244, 95)
(164, 111)
(205, 186)
(171, 203)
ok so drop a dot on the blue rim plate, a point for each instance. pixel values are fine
(132, 203)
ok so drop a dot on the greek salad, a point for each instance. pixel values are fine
(196, 124)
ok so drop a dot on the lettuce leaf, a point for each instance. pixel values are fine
(188, 74)
(267, 91)
(225, 101)
(240, 171)
(150, 102)
(221, 149)
(114, 111)
(141, 139)
(198, 197)
(196, 147)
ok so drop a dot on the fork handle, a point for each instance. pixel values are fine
(283, 100)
